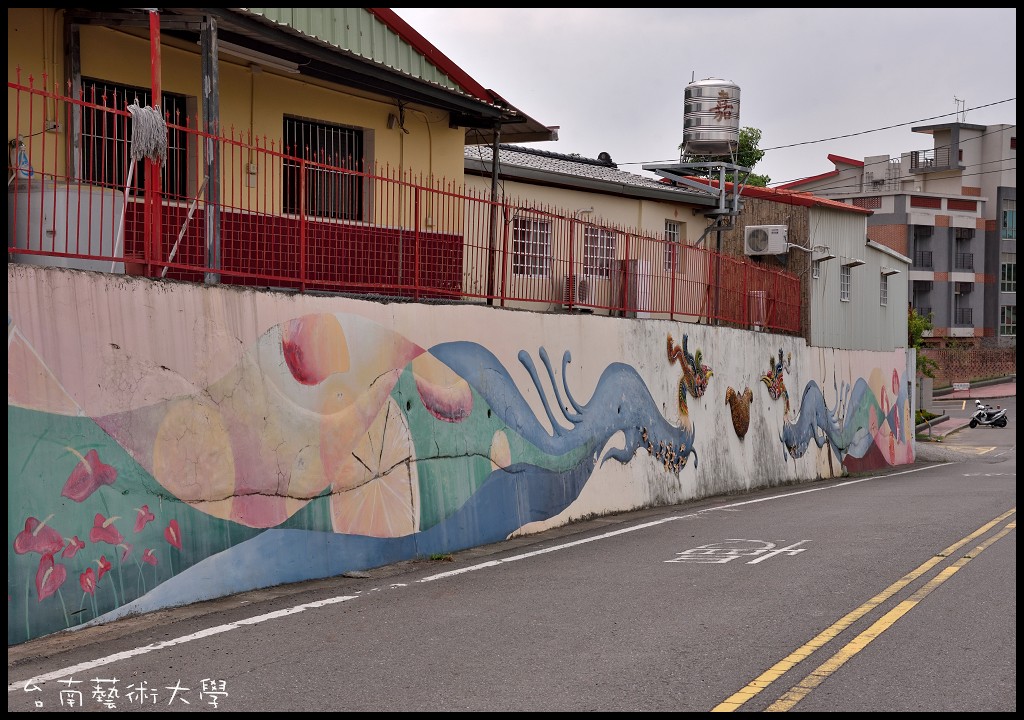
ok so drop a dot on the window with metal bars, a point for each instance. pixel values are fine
(107, 137)
(883, 290)
(531, 247)
(323, 166)
(598, 252)
(671, 258)
(844, 283)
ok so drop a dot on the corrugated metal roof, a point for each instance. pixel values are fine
(359, 31)
(570, 166)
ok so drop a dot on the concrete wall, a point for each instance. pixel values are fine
(169, 443)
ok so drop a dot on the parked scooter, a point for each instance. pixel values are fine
(988, 415)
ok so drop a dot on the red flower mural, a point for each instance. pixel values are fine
(37, 537)
(144, 516)
(149, 557)
(88, 476)
(105, 567)
(173, 534)
(72, 548)
(104, 530)
(88, 581)
(49, 577)
(126, 551)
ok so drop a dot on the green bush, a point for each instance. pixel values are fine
(924, 416)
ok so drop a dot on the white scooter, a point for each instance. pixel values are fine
(988, 415)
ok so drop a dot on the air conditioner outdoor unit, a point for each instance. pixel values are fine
(575, 290)
(765, 239)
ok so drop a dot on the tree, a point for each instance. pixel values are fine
(917, 325)
(747, 155)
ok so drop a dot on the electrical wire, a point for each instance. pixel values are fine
(854, 134)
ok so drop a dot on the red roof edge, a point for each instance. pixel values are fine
(840, 160)
(813, 178)
(438, 58)
(790, 197)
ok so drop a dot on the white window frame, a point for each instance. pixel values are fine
(883, 290)
(1009, 220)
(1008, 273)
(531, 247)
(672, 246)
(1008, 321)
(598, 251)
(845, 280)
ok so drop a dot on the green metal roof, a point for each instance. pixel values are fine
(358, 31)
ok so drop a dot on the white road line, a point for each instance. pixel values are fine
(256, 620)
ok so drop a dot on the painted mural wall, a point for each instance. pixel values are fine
(169, 443)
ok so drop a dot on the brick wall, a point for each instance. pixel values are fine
(971, 363)
(893, 237)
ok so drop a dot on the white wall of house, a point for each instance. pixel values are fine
(860, 313)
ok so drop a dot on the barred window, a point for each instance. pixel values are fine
(531, 247)
(672, 246)
(107, 137)
(330, 178)
(844, 283)
(883, 290)
(598, 252)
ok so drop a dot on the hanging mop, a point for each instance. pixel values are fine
(149, 140)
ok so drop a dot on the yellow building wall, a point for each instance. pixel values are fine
(252, 102)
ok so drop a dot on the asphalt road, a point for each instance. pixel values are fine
(892, 592)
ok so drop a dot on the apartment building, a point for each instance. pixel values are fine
(952, 209)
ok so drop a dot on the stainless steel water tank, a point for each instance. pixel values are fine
(711, 118)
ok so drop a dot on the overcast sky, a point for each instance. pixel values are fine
(613, 79)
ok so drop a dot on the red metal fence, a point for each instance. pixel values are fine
(242, 210)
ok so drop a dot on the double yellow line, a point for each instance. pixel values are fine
(799, 691)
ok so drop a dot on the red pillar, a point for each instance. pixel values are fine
(153, 201)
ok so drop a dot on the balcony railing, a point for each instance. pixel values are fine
(963, 261)
(414, 238)
(929, 159)
(923, 259)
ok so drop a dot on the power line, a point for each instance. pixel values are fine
(855, 134)
(999, 129)
(887, 127)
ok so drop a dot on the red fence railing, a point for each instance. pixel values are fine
(222, 218)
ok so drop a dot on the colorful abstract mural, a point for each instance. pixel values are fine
(328, 425)
(170, 443)
(864, 429)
